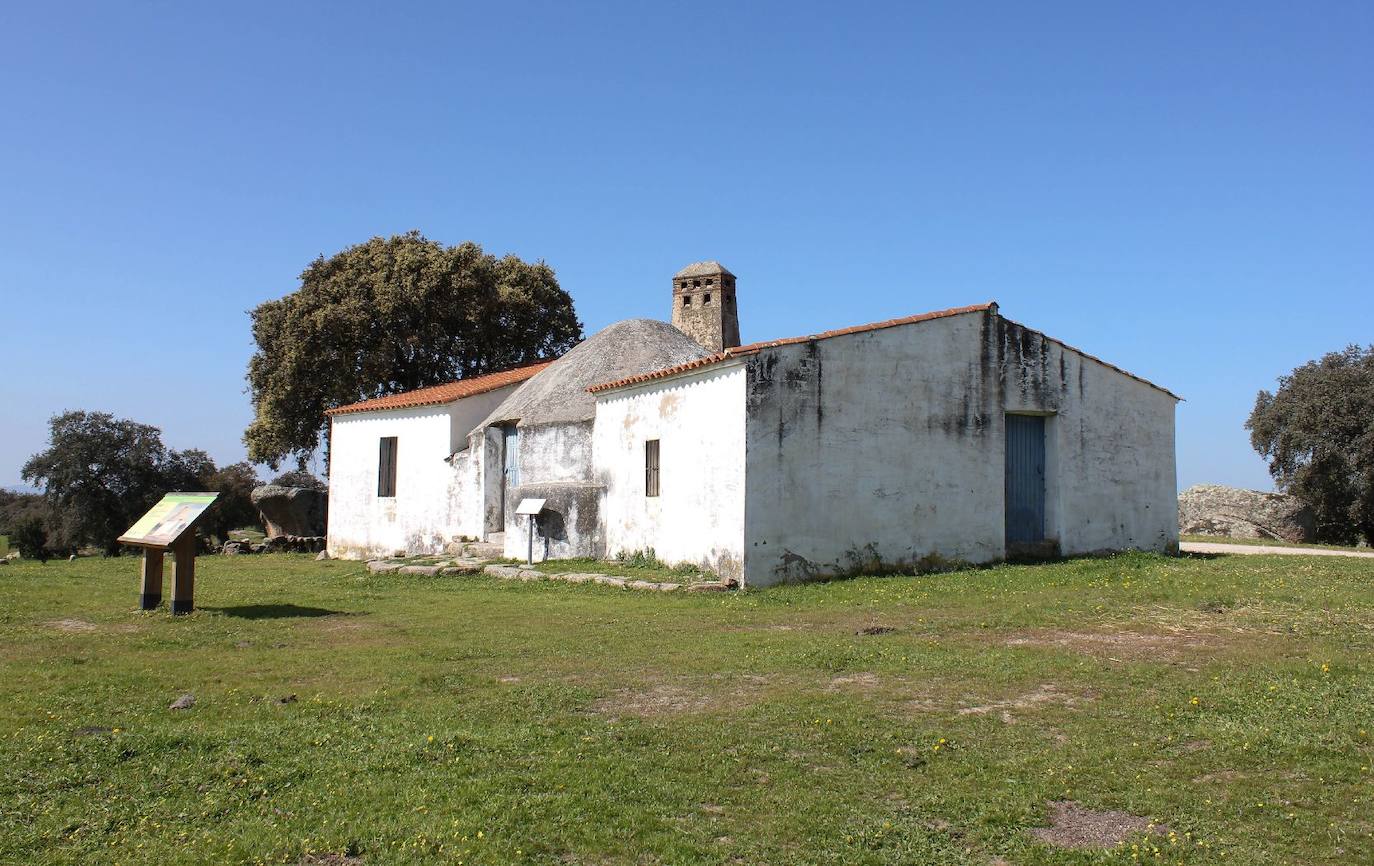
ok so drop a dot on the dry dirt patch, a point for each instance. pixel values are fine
(1048, 693)
(350, 629)
(872, 630)
(672, 699)
(1073, 825)
(81, 626)
(1117, 645)
(71, 625)
(345, 623)
(863, 682)
(660, 700)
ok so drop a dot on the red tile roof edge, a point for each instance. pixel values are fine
(437, 395)
(755, 348)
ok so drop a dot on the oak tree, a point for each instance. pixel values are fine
(1317, 432)
(390, 315)
(100, 473)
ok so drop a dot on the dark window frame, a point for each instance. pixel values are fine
(386, 467)
(652, 464)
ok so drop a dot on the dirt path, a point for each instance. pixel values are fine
(1249, 549)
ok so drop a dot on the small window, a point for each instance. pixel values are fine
(684, 284)
(707, 299)
(386, 467)
(696, 283)
(651, 467)
(686, 300)
(710, 281)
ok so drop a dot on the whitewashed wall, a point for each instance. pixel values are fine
(468, 412)
(438, 496)
(416, 520)
(698, 516)
(556, 453)
(887, 447)
(556, 465)
(1111, 480)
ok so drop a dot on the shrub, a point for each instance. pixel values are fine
(31, 539)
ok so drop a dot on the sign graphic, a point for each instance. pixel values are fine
(165, 522)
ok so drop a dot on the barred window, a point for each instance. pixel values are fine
(651, 467)
(386, 467)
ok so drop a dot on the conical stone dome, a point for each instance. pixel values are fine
(558, 394)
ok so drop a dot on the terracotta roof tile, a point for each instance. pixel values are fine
(446, 393)
(755, 348)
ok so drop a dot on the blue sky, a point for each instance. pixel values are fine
(1186, 190)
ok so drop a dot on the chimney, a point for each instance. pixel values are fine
(704, 305)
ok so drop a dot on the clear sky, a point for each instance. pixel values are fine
(1186, 190)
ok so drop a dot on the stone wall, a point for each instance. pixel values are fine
(569, 526)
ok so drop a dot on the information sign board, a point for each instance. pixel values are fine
(166, 521)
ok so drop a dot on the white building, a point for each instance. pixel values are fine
(950, 436)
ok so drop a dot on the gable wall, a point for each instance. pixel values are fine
(885, 449)
(467, 413)
(437, 498)
(698, 516)
(416, 520)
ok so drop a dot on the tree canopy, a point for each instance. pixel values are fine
(99, 474)
(299, 478)
(1317, 432)
(391, 315)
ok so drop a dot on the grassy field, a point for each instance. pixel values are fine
(347, 718)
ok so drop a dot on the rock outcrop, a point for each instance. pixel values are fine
(298, 511)
(1214, 509)
(276, 544)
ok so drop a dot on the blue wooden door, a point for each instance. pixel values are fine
(1025, 479)
(510, 465)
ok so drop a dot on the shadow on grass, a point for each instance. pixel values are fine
(274, 611)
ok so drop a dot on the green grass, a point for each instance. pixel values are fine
(1266, 542)
(471, 719)
(653, 571)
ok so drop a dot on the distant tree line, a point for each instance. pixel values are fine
(99, 474)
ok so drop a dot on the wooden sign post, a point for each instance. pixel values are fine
(169, 525)
(150, 595)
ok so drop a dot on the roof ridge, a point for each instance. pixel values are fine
(755, 348)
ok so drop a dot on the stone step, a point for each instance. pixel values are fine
(493, 548)
(482, 550)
